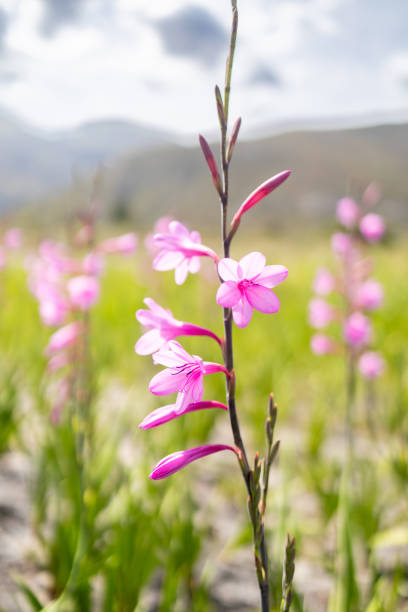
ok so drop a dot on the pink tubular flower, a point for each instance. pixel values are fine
(370, 295)
(53, 308)
(372, 227)
(184, 373)
(357, 330)
(371, 365)
(320, 313)
(164, 327)
(93, 264)
(83, 291)
(341, 243)
(347, 212)
(176, 461)
(63, 337)
(58, 361)
(323, 283)
(247, 286)
(180, 250)
(259, 193)
(124, 244)
(322, 344)
(160, 227)
(13, 238)
(168, 413)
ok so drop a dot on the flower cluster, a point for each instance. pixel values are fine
(66, 287)
(360, 293)
(245, 285)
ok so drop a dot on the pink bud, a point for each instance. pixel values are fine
(372, 227)
(320, 313)
(323, 283)
(347, 212)
(322, 344)
(83, 291)
(13, 238)
(341, 243)
(211, 163)
(124, 244)
(371, 365)
(357, 330)
(176, 461)
(370, 295)
(63, 337)
(259, 193)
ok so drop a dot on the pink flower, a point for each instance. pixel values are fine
(160, 227)
(164, 327)
(184, 373)
(370, 295)
(63, 337)
(259, 193)
(323, 283)
(322, 344)
(347, 212)
(341, 244)
(53, 307)
(124, 244)
(357, 330)
(176, 461)
(13, 238)
(247, 286)
(371, 365)
(180, 250)
(320, 313)
(170, 412)
(58, 361)
(372, 227)
(93, 264)
(83, 291)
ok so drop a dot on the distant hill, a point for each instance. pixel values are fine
(147, 174)
(35, 163)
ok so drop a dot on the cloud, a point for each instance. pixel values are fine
(59, 13)
(263, 75)
(193, 32)
(3, 27)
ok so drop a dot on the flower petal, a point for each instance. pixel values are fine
(150, 342)
(242, 312)
(181, 272)
(262, 299)
(272, 276)
(167, 260)
(252, 264)
(228, 294)
(228, 269)
(166, 382)
(194, 265)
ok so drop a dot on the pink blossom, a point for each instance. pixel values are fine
(370, 295)
(371, 365)
(93, 264)
(58, 361)
(372, 227)
(184, 373)
(83, 291)
(170, 412)
(160, 227)
(53, 306)
(322, 344)
(63, 337)
(124, 244)
(347, 212)
(164, 327)
(13, 238)
(341, 243)
(320, 313)
(176, 461)
(324, 282)
(247, 285)
(180, 250)
(357, 330)
(371, 195)
(259, 193)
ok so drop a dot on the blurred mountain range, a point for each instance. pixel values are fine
(148, 174)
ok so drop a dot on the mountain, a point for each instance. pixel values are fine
(35, 163)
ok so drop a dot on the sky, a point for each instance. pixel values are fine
(64, 62)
